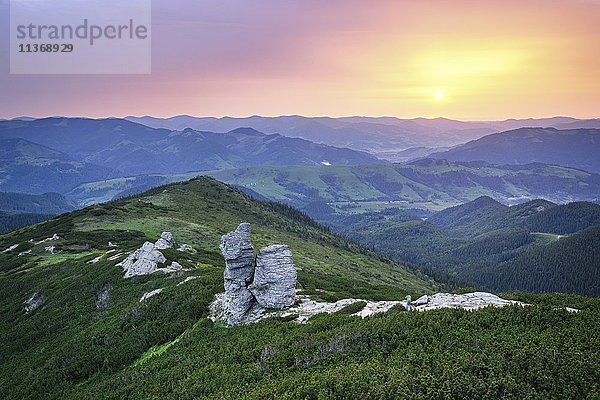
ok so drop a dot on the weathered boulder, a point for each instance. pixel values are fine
(238, 252)
(165, 241)
(274, 284)
(187, 247)
(143, 261)
(421, 301)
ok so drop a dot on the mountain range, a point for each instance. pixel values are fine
(425, 185)
(115, 147)
(385, 137)
(576, 148)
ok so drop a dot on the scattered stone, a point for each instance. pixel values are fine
(468, 301)
(95, 260)
(189, 278)
(50, 249)
(143, 261)
(187, 247)
(11, 248)
(103, 296)
(114, 257)
(111, 244)
(53, 238)
(166, 241)
(238, 252)
(24, 252)
(274, 284)
(33, 302)
(421, 301)
(176, 265)
(304, 307)
(147, 295)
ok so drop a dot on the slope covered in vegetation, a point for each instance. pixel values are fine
(72, 327)
(68, 314)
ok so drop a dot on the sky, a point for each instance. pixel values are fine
(461, 59)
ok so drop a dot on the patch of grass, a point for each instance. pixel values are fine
(352, 308)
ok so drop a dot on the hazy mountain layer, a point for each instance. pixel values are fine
(386, 137)
(576, 148)
(135, 149)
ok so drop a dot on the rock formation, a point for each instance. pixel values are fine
(238, 252)
(147, 295)
(468, 301)
(187, 247)
(274, 277)
(143, 261)
(165, 242)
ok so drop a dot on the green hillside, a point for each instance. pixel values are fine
(484, 215)
(77, 333)
(47, 203)
(32, 168)
(73, 328)
(570, 264)
(10, 220)
(423, 185)
(493, 245)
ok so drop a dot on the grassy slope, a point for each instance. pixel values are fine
(72, 336)
(513, 352)
(75, 345)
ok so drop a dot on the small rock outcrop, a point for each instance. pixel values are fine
(187, 247)
(11, 248)
(274, 277)
(274, 284)
(33, 302)
(143, 261)
(468, 301)
(147, 295)
(166, 241)
(238, 252)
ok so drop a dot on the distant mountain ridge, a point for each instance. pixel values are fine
(47, 203)
(32, 168)
(107, 148)
(575, 148)
(386, 137)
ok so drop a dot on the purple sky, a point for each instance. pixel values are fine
(460, 59)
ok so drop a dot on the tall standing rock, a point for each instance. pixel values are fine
(274, 284)
(238, 252)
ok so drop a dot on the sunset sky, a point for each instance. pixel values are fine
(462, 59)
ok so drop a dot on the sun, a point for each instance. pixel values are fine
(439, 96)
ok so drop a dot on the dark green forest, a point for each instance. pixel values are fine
(14, 220)
(536, 246)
